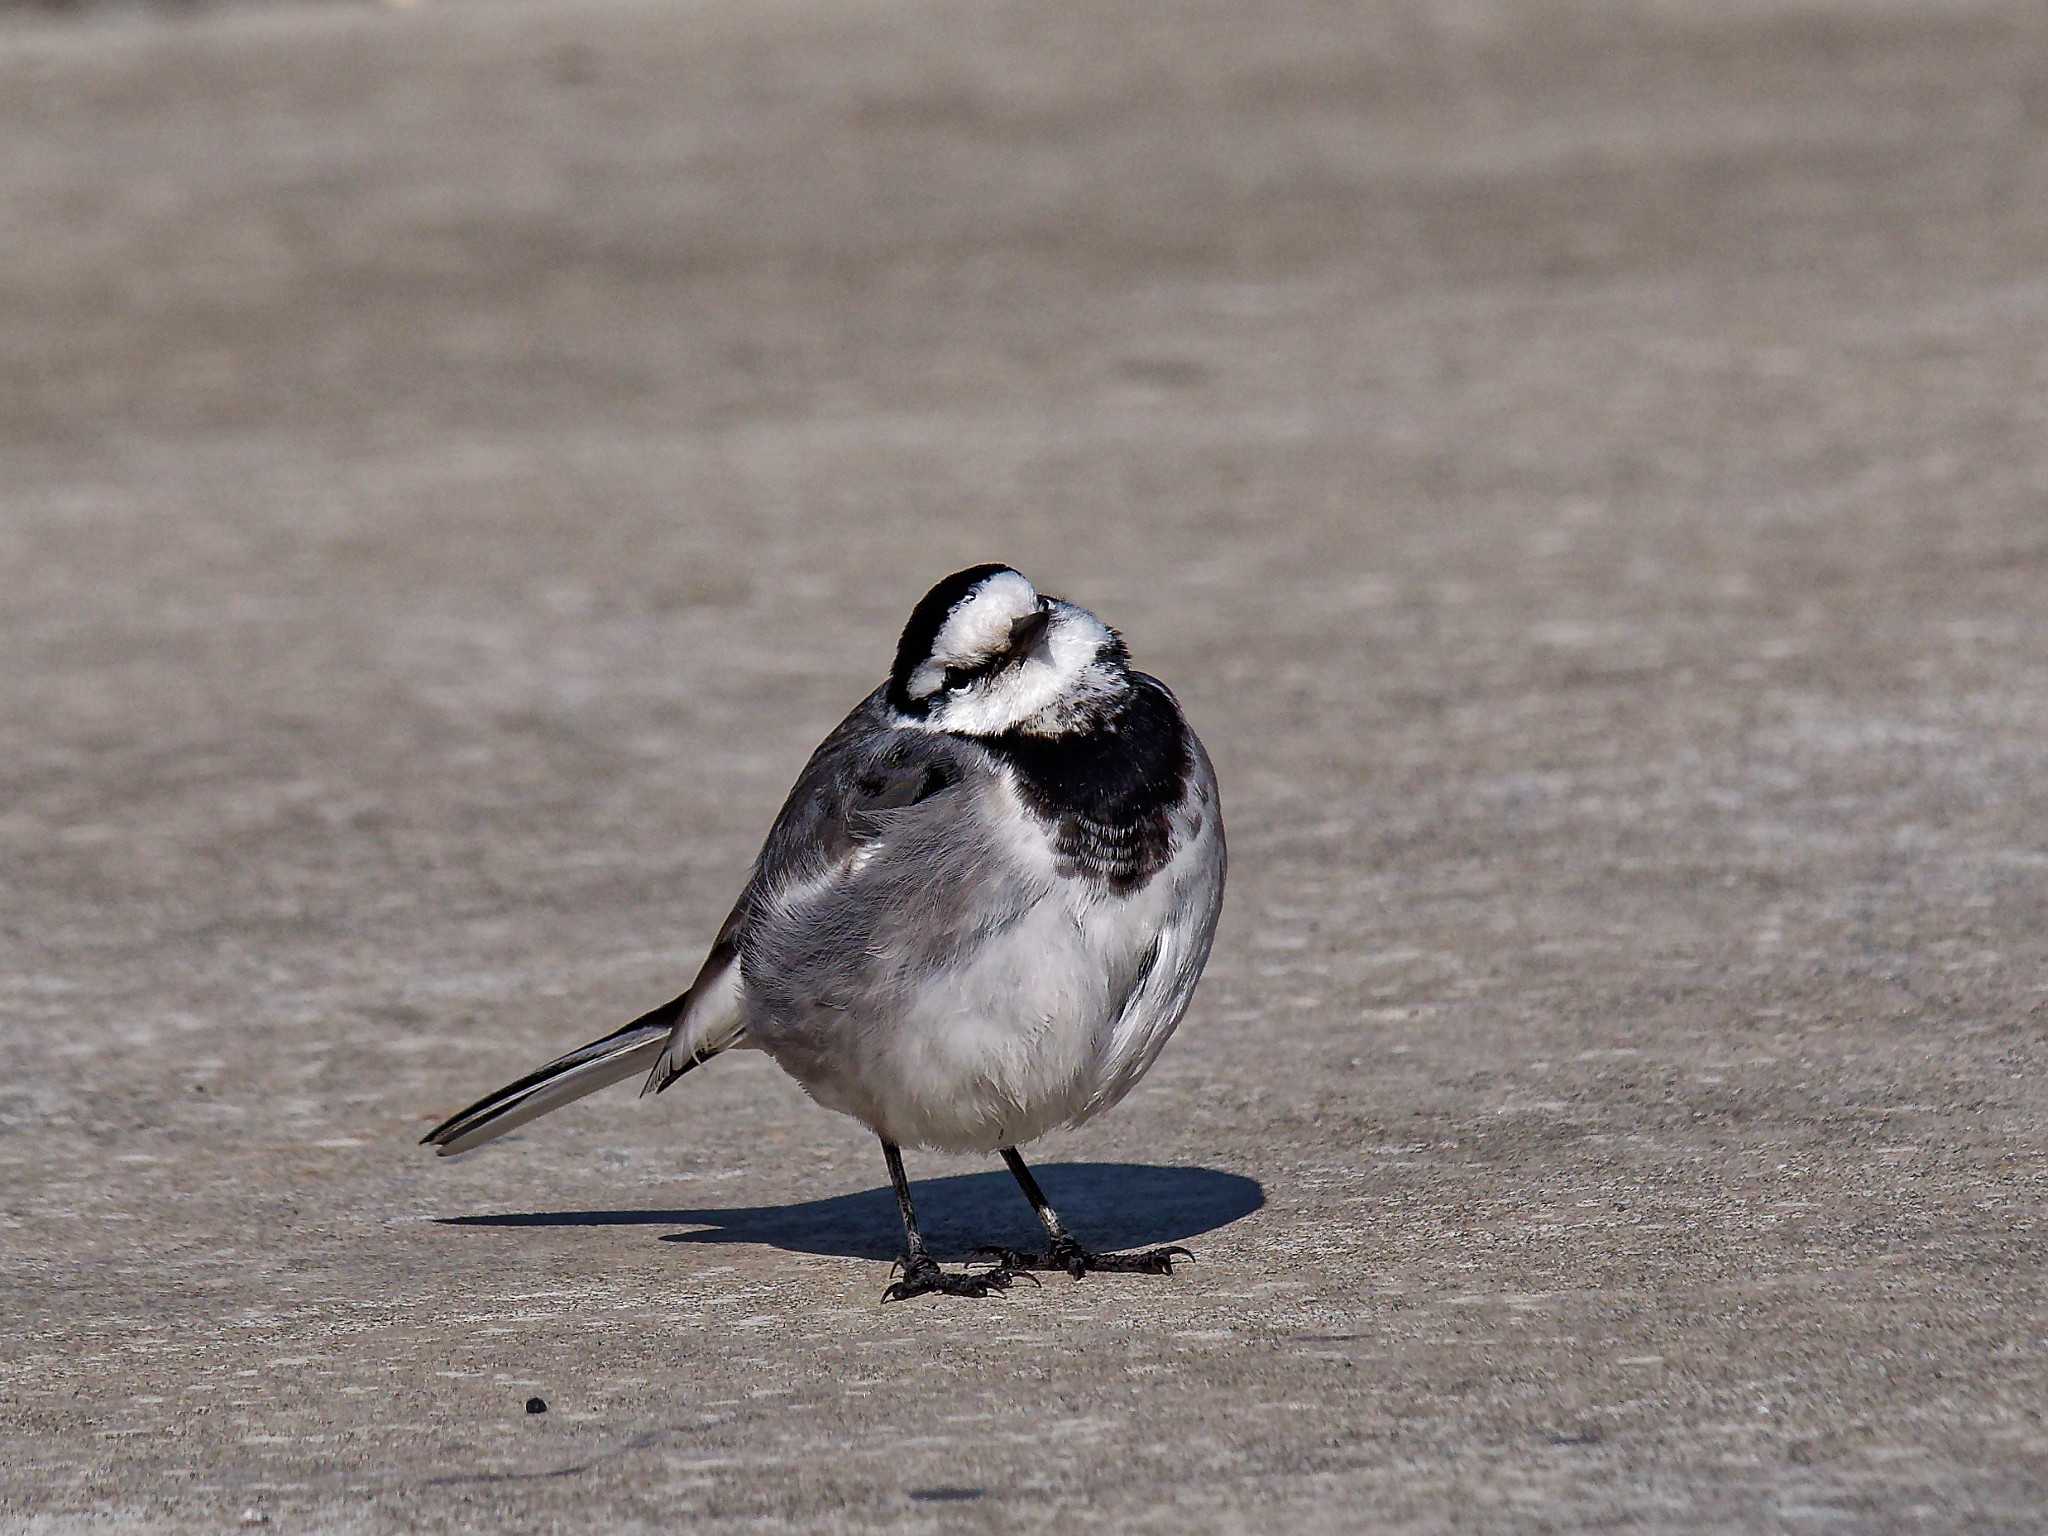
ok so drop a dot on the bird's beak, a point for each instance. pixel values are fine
(1027, 632)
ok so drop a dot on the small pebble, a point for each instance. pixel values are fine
(536, 1405)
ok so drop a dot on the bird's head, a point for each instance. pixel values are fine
(986, 653)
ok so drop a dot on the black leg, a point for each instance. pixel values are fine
(1064, 1252)
(921, 1272)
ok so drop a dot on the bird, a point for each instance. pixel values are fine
(979, 915)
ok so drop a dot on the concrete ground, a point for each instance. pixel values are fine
(1584, 467)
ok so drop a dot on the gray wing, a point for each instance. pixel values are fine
(839, 899)
(844, 799)
(881, 868)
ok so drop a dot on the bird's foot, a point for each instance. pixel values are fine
(1077, 1261)
(922, 1276)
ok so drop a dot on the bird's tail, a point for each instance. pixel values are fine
(622, 1054)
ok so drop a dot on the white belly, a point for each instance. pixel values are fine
(1054, 1020)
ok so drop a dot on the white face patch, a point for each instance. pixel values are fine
(1055, 688)
(976, 629)
(979, 627)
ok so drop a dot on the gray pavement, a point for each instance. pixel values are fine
(1584, 468)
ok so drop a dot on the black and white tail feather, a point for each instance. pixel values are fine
(666, 1042)
(641, 1046)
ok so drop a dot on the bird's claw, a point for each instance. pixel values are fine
(1078, 1261)
(922, 1277)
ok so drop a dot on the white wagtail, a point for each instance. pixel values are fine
(979, 915)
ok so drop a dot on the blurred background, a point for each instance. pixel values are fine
(1583, 466)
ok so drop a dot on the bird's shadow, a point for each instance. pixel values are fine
(1106, 1205)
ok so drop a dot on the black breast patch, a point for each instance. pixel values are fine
(1107, 794)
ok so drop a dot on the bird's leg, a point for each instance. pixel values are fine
(921, 1272)
(1063, 1252)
